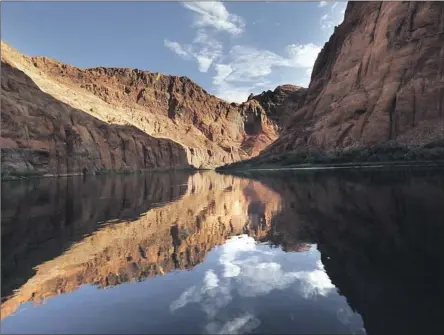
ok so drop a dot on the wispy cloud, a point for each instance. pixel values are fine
(204, 50)
(243, 69)
(249, 66)
(323, 4)
(175, 47)
(214, 14)
(333, 17)
(303, 55)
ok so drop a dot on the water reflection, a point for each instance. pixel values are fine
(373, 237)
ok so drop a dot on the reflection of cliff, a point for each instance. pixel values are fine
(42, 217)
(380, 236)
(177, 235)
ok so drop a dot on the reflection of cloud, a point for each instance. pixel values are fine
(250, 271)
(210, 281)
(211, 296)
(231, 249)
(315, 282)
(262, 278)
(239, 325)
(184, 299)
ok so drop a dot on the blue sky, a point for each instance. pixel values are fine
(229, 48)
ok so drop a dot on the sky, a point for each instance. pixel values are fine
(231, 49)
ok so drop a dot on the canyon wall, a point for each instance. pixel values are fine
(183, 118)
(379, 80)
(41, 134)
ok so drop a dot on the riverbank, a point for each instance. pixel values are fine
(380, 165)
(24, 175)
(383, 157)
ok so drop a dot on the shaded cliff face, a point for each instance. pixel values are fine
(211, 131)
(140, 235)
(280, 103)
(41, 134)
(378, 80)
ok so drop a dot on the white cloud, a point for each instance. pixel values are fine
(303, 55)
(244, 69)
(334, 17)
(323, 4)
(214, 14)
(175, 47)
(222, 72)
(249, 66)
(204, 62)
(204, 50)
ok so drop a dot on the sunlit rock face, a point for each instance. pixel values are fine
(41, 134)
(59, 119)
(202, 211)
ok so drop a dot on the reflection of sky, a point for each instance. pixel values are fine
(241, 287)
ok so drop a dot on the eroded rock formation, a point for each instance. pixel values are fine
(43, 135)
(210, 131)
(378, 80)
(280, 103)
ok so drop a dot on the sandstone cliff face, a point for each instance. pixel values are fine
(211, 131)
(280, 103)
(378, 80)
(43, 135)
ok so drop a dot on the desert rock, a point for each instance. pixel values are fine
(378, 80)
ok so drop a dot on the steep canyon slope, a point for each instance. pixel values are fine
(379, 80)
(190, 126)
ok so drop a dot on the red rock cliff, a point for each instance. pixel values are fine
(378, 80)
(210, 131)
(43, 135)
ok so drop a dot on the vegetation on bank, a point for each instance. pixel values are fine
(355, 156)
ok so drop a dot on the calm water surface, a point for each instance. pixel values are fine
(294, 252)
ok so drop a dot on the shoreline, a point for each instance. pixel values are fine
(263, 168)
(18, 177)
(364, 165)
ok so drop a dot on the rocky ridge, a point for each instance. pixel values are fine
(210, 131)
